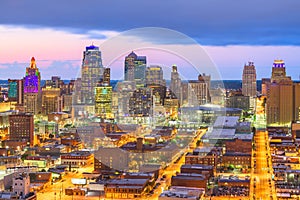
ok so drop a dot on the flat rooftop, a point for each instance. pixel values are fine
(226, 121)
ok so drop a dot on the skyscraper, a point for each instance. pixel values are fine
(51, 100)
(155, 80)
(176, 84)
(135, 67)
(91, 73)
(32, 88)
(198, 90)
(283, 97)
(140, 103)
(16, 90)
(103, 101)
(249, 80)
(155, 75)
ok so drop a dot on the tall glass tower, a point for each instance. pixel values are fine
(135, 67)
(91, 73)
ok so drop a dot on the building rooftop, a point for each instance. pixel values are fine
(236, 154)
(226, 121)
(128, 182)
(218, 133)
(197, 166)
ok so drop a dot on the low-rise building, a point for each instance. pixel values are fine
(238, 160)
(126, 188)
(189, 180)
(77, 158)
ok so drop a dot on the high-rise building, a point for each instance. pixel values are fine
(140, 103)
(125, 90)
(51, 100)
(198, 90)
(103, 101)
(249, 80)
(175, 87)
(91, 73)
(135, 68)
(265, 83)
(105, 79)
(155, 75)
(15, 90)
(55, 82)
(21, 127)
(32, 89)
(283, 97)
(155, 80)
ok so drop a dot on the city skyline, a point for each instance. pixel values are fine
(230, 40)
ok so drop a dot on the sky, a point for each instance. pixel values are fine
(207, 36)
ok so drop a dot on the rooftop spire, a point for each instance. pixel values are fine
(32, 63)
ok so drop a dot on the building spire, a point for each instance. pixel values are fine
(32, 63)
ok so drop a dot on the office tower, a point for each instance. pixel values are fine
(296, 102)
(32, 89)
(171, 104)
(15, 91)
(103, 101)
(134, 67)
(21, 127)
(265, 83)
(51, 100)
(105, 79)
(283, 97)
(155, 75)
(176, 84)
(67, 101)
(198, 90)
(91, 72)
(125, 90)
(155, 81)
(55, 82)
(249, 83)
(249, 80)
(140, 103)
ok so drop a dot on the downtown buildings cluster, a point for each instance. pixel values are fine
(139, 136)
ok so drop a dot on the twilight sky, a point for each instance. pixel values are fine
(230, 32)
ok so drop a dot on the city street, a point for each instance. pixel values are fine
(262, 186)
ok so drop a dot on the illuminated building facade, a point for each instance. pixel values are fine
(198, 90)
(103, 101)
(249, 80)
(32, 89)
(125, 90)
(283, 97)
(51, 100)
(15, 91)
(140, 103)
(91, 73)
(105, 79)
(155, 81)
(155, 75)
(249, 83)
(135, 67)
(32, 78)
(176, 84)
(21, 127)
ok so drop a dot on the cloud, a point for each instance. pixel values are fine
(210, 22)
